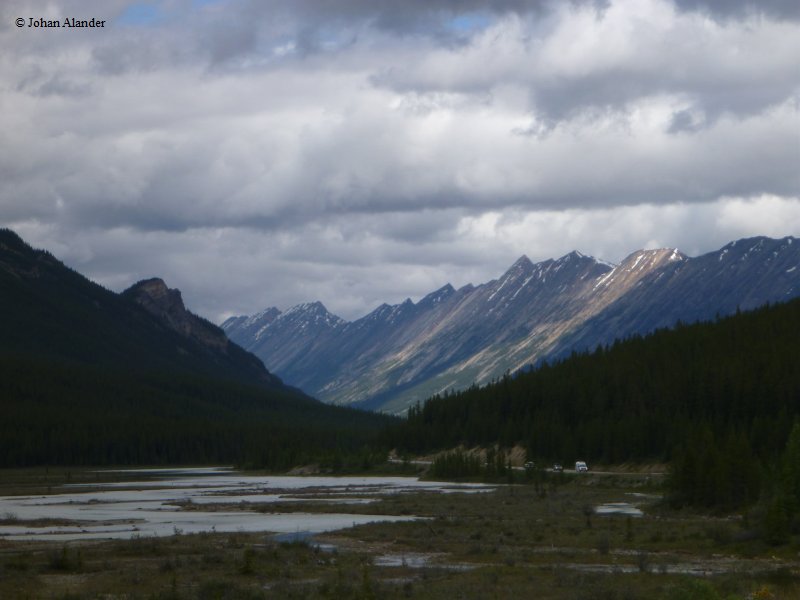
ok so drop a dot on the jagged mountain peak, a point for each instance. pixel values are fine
(307, 307)
(400, 353)
(575, 260)
(438, 296)
(759, 241)
(525, 279)
(522, 268)
(677, 255)
(747, 246)
(522, 265)
(776, 252)
(576, 256)
(388, 312)
(155, 288)
(166, 304)
(266, 315)
(253, 325)
(380, 311)
(638, 264)
(400, 310)
(154, 295)
(643, 260)
(145, 327)
(378, 315)
(572, 256)
(231, 321)
(311, 312)
(523, 261)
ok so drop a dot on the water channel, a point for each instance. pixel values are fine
(165, 502)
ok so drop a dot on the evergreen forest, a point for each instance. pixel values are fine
(717, 399)
(62, 413)
(88, 377)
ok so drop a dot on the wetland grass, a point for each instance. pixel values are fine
(516, 542)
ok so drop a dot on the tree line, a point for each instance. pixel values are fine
(64, 413)
(717, 399)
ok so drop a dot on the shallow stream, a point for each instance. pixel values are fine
(156, 507)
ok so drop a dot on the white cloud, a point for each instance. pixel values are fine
(261, 154)
(354, 263)
(771, 215)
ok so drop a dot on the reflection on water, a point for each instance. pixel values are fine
(155, 507)
(618, 508)
(419, 560)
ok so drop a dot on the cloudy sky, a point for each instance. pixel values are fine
(260, 153)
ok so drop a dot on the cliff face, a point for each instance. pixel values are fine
(49, 312)
(167, 305)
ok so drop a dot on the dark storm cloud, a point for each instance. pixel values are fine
(683, 121)
(316, 26)
(785, 9)
(410, 16)
(299, 150)
(720, 69)
(562, 100)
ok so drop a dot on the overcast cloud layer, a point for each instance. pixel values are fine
(259, 153)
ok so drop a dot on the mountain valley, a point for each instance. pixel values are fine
(451, 338)
(88, 376)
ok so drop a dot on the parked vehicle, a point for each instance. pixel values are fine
(557, 468)
(581, 466)
(529, 466)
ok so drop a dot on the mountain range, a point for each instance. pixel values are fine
(52, 312)
(404, 353)
(88, 376)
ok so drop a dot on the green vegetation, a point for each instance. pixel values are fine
(457, 465)
(49, 312)
(515, 542)
(89, 377)
(718, 398)
(710, 474)
(61, 413)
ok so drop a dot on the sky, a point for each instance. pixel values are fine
(258, 153)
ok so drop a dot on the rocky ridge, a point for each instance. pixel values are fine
(399, 354)
(53, 313)
(167, 305)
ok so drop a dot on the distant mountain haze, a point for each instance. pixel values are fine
(450, 339)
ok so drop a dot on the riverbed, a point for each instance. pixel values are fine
(160, 502)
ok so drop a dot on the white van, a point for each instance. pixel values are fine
(580, 466)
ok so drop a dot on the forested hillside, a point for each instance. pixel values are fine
(50, 311)
(638, 399)
(92, 377)
(72, 414)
